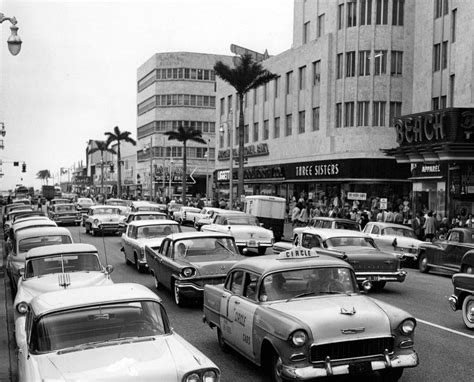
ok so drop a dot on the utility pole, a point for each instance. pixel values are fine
(151, 168)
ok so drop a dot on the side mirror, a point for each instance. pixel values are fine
(109, 269)
(21, 272)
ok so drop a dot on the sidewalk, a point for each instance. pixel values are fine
(7, 345)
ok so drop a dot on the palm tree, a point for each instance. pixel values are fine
(44, 175)
(102, 146)
(119, 136)
(184, 134)
(246, 75)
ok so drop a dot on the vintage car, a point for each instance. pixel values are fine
(15, 205)
(123, 205)
(53, 268)
(463, 296)
(207, 214)
(245, 228)
(102, 219)
(143, 205)
(83, 204)
(373, 267)
(65, 214)
(301, 315)
(140, 215)
(330, 223)
(29, 215)
(186, 215)
(186, 261)
(28, 239)
(396, 238)
(142, 233)
(28, 224)
(172, 208)
(446, 253)
(118, 332)
(8, 218)
(58, 201)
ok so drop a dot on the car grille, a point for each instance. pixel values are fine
(351, 349)
(378, 267)
(212, 281)
(109, 225)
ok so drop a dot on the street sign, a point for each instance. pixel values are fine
(383, 203)
(356, 196)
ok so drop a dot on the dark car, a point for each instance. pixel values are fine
(463, 296)
(446, 253)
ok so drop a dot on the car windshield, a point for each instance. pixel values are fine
(42, 241)
(65, 208)
(107, 211)
(150, 217)
(116, 203)
(398, 231)
(84, 201)
(341, 241)
(82, 262)
(242, 220)
(298, 283)
(149, 208)
(152, 231)
(100, 325)
(204, 248)
(347, 225)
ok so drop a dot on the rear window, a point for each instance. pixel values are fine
(83, 262)
(42, 241)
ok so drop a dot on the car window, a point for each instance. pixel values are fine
(41, 241)
(165, 248)
(250, 286)
(398, 231)
(376, 230)
(454, 237)
(85, 262)
(235, 282)
(349, 242)
(310, 241)
(326, 224)
(347, 225)
(151, 231)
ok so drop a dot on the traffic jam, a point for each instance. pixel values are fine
(302, 308)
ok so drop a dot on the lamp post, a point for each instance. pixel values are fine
(230, 131)
(14, 41)
(207, 170)
(171, 176)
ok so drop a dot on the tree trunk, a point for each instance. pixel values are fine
(119, 172)
(184, 173)
(102, 172)
(240, 174)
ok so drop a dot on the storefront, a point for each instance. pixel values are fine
(439, 145)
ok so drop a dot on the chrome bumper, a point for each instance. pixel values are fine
(398, 276)
(453, 302)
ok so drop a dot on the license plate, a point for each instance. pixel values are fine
(360, 368)
(252, 243)
(374, 278)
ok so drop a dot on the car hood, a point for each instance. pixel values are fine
(353, 316)
(247, 230)
(108, 217)
(364, 253)
(163, 358)
(402, 241)
(208, 265)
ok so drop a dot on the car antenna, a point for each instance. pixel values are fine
(105, 249)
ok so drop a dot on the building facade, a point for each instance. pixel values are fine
(173, 89)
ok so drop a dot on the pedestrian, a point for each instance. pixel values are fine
(295, 213)
(303, 219)
(416, 225)
(430, 227)
(364, 219)
(469, 221)
(40, 204)
(398, 218)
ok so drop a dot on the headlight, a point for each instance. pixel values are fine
(209, 376)
(96, 221)
(188, 272)
(194, 377)
(22, 307)
(408, 326)
(299, 338)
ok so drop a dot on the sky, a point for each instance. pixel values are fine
(75, 77)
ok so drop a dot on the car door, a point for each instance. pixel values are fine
(126, 239)
(456, 251)
(166, 263)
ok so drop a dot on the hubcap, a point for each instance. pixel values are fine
(469, 270)
(424, 262)
(470, 311)
(278, 368)
(176, 294)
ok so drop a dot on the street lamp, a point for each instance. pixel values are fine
(14, 41)
(230, 131)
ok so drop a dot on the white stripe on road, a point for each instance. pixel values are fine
(447, 329)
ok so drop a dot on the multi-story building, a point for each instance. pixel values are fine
(175, 88)
(323, 127)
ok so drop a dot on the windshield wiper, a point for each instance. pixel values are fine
(92, 345)
(302, 295)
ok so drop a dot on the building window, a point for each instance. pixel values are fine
(255, 96)
(221, 140)
(380, 62)
(397, 63)
(276, 127)
(277, 86)
(446, 7)
(246, 133)
(255, 132)
(340, 16)
(443, 102)
(306, 32)
(316, 72)
(351, 14)
(349, 114)
(288, 125)
(320, 25)
(453, 25)
(378, 113)
(363, 113)
(338, 114)
(229, 104)
(289, 80)
(381, 16)
(397, 12)
(265, 92)
(246, 97)
(452, 80)
(350, 64)
(395, 111)
(315, 118)
(435, 103)
(222, 108)
(438, 8)
(365, 9)
(265, 130)
(339, 65)
(302, 77)
(444, 55)
(436, 57)
(301, 121)
(364, 63)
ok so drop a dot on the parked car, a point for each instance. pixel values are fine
(463, 296)
(207, 214)
(142, 233)
(246, 229)
(373, 267)
(109, 333)
(28, 224)
(102, 219)
(65, 214)
(8, 219)
(187, 261)
(302, 316)
(140, 215)
(123, 205)
(446, 253)
(396, 238)
(28, 239)
(187, 215)
(83, 204)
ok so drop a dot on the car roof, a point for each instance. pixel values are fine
(48, 250)
(197, 234)
(56, 200)
(42, 231)
(232, 212)
(149, 222)
(64, 204)
(90, 296)
(34, 223)
(191, 208)
(140, 203)
(135, 213)
(272, 263)
(104, 206)
(326, 233)
(394, 225)
(326, 218)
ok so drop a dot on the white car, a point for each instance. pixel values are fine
(145, 233)
(53, 268)
(187, 215)
(245, 228)
(114, 332)
(207, 215)
(102, 219)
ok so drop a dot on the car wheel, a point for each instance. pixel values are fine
(261, 251)
(178, 298)
(87, 228)
(94, 232)
(276, 366)
(393, 375)
(222, 344)
(378, 285)
(127, 261)
(423, 263)
(157, 282)
(468, 311)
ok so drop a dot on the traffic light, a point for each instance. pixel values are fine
(23, 167)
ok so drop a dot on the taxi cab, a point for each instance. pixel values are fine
(300, 314)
